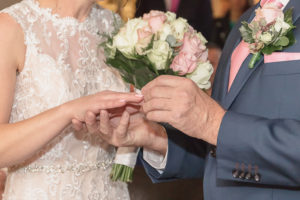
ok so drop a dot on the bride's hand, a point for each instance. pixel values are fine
(99, 101)
(126, 127)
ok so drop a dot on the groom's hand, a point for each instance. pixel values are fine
(181, 103)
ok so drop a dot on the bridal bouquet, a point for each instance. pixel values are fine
(145, 48)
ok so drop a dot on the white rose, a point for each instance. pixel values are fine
(202, 38)
(127, 38)
(266, 37)
(165, 31)
(170, 16)
(112, 51)
(281, 25)
(179, 27)
(160, 54)
(202, 74)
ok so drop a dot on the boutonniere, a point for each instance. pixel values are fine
(271, 30)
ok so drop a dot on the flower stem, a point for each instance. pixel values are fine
(254, 59)
(121, 173)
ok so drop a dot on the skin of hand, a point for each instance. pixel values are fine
(181, 103)
(126, 127)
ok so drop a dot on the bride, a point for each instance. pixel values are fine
(52, 71)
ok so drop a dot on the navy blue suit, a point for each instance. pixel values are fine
(259, 135)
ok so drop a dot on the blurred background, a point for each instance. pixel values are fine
(215, 19)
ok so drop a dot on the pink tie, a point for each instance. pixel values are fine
(239, 55)
(174, 5)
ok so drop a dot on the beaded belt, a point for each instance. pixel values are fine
(77, 168)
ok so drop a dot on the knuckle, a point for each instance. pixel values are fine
(150, 116)
(152, 93)
(189, 82)
(117, 142)
(183, 94)
(177, 116)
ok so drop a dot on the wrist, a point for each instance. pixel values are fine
(67, 111)
(214, 127)
(158, 140)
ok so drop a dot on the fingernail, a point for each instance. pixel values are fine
(139, 95)
(122, 100)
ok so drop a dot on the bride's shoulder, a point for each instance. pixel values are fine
(11, 39)
(8, 26)
(11, 20)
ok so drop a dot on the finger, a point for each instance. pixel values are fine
(133, 108)
(123, 96)
(159, 92)
(77, 125)
(91, 122)
(165, 80)
(109, 104)
(157, 104)
(105, 126)
(118, 101)
(159, 116)
(123, 126)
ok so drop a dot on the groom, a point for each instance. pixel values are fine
(245, 141)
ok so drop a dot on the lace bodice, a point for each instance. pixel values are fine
(63, 62)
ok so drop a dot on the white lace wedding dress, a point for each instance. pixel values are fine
(63, 62)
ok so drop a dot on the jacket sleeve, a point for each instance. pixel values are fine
(183, 152)
(268, 148)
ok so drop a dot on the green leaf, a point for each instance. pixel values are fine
(171, 40)
(143, 76)
(246, 32)
(291, 37)
(282, 41)
(288, 16)
(270, 49)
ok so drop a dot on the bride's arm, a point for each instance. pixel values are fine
(19, 141)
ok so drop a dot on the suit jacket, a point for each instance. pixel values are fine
(259, 135)
(197, 12)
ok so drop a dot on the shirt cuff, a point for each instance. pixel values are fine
(155, 160)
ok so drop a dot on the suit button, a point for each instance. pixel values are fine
(213, 152)
(242, 175)
(257, 177)
(235, 173)
(248, 176)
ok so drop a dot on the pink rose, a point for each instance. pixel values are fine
(270, 11)
(204, 56)
(144, 32)
(156, 20)
(193, 45)
(144, 39)
(184, 63)
(273, 3)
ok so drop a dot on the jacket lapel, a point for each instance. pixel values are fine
(245, 73)
(222, 75)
